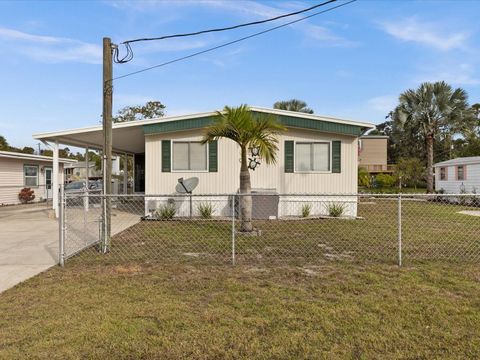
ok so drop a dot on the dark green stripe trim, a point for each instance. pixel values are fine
(336, 156)
(178, 125)
(289, 121)
(166, 150)
(213, 156)
(289, 148)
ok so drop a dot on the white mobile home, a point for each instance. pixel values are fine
(317, 155)
(458, 175)
(18, 170)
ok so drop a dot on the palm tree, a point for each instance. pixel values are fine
(248, 131)
(293, 105)
(433, 109)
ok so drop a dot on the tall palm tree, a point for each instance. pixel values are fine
(248, 131)
(433, 109)
(293, 105)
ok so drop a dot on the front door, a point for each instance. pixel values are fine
(48, 182)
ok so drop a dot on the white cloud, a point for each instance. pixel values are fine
(426, 33)
(52, 49)
(383, 104)
(456, 74)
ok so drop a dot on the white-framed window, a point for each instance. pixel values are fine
(443, 173)
(189, 156)
(30, 175)
(461, 172)
(312, 156)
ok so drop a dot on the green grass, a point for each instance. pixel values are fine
(303, 289)
(334, 310)
(431, 231)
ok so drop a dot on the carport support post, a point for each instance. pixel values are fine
(399, 229)
(85, 199)
(56, 178)
(125, 173)
(233, 230)
(61, 228)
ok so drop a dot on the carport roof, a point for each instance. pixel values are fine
(130, 136)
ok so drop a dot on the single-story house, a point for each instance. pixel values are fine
(317, 155)
(458, 175)
(18, 170)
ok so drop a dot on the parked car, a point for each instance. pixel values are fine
(79, 186)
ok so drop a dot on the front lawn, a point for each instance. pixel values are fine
(334, 310)
(430, 231)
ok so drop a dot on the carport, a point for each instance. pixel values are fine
(127, 141)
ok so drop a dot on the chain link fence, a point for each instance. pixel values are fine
(284, 229)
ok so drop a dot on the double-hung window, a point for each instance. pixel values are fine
(461, 172)
(443, 173)
(30, 175)
(312, 156)
(189, 156)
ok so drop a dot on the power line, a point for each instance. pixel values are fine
(231, 42)
(231, 27)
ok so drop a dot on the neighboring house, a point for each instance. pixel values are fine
(18, 170)
(458, 175)
(372, 154)
(317, 155)
(77, 171)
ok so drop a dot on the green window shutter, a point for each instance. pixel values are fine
(166, 150)
(213, 156)
(336, 156)
(289, 149)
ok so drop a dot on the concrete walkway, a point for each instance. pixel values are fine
(28, 243)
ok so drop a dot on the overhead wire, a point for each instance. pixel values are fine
(232, 27)
(232, 42)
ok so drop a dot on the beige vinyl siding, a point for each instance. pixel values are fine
(273, 177)
(12, 181)
(373, 152)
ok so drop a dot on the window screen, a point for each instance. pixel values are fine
(312, 156)
(189, 156)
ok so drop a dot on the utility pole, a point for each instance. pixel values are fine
(107, 139)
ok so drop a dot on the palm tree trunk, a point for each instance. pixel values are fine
(245, 200)
(429, 163)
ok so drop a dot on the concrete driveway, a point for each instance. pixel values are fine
(28, 243)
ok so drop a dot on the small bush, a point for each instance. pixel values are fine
(364, 178)
(306, 208)
(206, 210)
(166, 212)
(335, 209)
(26, 195)
(384, 180)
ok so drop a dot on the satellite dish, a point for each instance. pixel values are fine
(186, 186)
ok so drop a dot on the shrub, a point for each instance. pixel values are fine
(166, 212)
(364, 178)
(26, 195)
(335, 209)
(306, 208)
(384, 180)
(206, 210)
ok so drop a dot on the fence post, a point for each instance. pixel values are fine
(399, 229)
(233, 229)
(61, 227)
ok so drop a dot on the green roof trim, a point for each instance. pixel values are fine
(288, 121)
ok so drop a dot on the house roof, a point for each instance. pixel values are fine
(22, 156)
(129, 136)
(460, 161)
(374, 137)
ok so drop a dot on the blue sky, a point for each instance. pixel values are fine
(351, 62)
